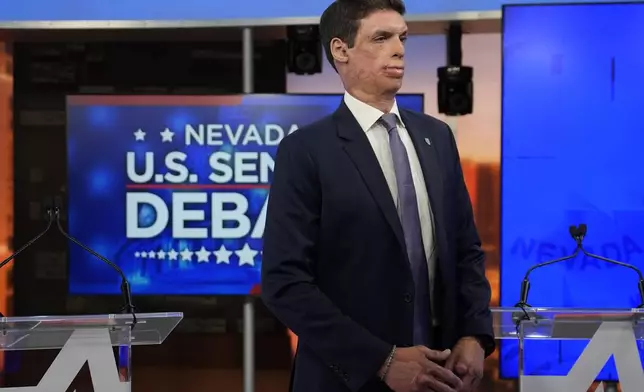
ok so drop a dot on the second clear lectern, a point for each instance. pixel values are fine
(591, 338)
(85, 339)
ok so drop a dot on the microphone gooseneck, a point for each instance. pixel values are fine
(126, 292)
(525, 284)
(578, 233)
(50, 219)
(54, 213)
(523, 305)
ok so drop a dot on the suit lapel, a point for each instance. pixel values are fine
(432, 173)
(357, 146)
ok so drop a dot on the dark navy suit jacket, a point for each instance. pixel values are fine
(335, 269)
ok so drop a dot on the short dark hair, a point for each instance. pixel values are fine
(342, 19)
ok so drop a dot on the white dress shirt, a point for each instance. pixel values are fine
(368, 116)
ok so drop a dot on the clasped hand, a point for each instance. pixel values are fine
(415, 369)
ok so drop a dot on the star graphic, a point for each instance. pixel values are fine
(137, 254)
(186, 255)
(161, 254)
(173, 255)
(166, 135)
(152, 254)
(144, 255)
(223, 255)
(139, 135)
(203, 256)
(246, 255)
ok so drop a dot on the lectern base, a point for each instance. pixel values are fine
(91, 346)
(613, 338)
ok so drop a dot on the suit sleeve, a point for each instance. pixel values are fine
(289, 287)
(474, 293)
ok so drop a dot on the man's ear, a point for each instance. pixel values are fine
(339, 50)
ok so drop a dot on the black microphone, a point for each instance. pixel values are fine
(579, 235)
(525, 284)
(128, 307)
(49, 217)
(525, 314)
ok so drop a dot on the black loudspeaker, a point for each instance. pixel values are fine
(304, 50)
(455, 90)
(455, 86)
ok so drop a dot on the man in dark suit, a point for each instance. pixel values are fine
(371, 255)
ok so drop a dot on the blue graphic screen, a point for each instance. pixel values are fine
(173, 189)
(571, 153)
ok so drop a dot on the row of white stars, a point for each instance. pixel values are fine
(166, 135)
(222, 256)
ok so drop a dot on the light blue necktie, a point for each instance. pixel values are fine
(410, 220)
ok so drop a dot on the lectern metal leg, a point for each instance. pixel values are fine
(249, 345)
(124, 358)
(125, 364)
(249, 306)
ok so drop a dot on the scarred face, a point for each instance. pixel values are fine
(375, 64)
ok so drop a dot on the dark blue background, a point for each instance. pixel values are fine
(98, 139)
(572, 152)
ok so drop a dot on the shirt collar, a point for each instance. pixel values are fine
(365, 114)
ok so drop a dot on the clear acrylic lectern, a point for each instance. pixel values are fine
(85, 339)
(561, 349)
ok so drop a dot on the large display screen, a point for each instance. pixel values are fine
(572, 144)
(173, 189)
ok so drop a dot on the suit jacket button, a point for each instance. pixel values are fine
(407, 297)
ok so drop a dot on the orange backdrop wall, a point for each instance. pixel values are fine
(6, 169)
(6, 176)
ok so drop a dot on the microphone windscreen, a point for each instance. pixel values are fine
(574, 231)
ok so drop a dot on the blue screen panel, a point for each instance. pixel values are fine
(173, 188)
(572, 144)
